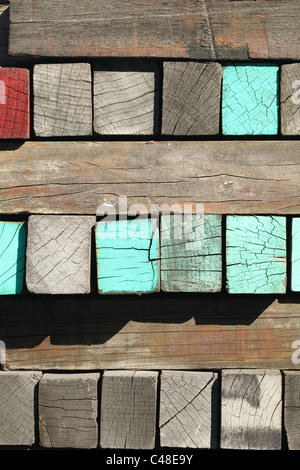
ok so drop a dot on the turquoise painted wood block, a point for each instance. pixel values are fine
(127, 256)
(12, 257)
(295, 278)
(256, 254)
(250, 99)
(191, 253)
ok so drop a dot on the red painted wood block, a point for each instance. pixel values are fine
(14, 103)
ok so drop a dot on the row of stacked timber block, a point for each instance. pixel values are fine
(135, 97)
(174, 253)
(227, 409)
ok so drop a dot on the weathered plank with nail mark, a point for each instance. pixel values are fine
(290, 99)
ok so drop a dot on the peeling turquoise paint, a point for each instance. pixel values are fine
(295, 255)
(12, 257)
(256, 254)
(127, 256)
(250, 101)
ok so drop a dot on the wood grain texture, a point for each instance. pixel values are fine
(188, 409)
(12, 257)
(190, 253)
(292, 408)
(290, 99)
(295, 261)
(251, 407)
(198, 29)
(181, 332)
(128, 409)
(68, 410)
(191, 98)
(126, 97)
(18, 411)
(238, 177)
(250, 99)
(58, 255)
(256, 254)
(62, 100)
(14, 103)
(127, 256)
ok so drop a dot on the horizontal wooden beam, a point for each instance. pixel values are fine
(228, 177)
(166, 331)
(196, 29)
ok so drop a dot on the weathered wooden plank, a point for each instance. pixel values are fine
(14, 103)
(292, 408)
(150, 332)
(5, 58)
(68, 410)
(290, 99)
(18, 408)
(191, 253)
(251, 408)
(188, 409)
(196, 29)
(12, 257)
(58, 255)
(236, 177)
(62, 99)
(295, 261)
(250, 99)
(128, 409)
(191, 98)
(127, 256)
(126, 97)
(256, 254)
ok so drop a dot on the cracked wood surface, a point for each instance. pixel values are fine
(12, 257)
(128, 409)
(191, 98)
(250, 99)
(251, 409)
(196, 29)
(292, 408)
(125, 98)
(58, 255)
(62, 100)
(295, 281)
(256, 254)
(290, 99)
(191, 253)
(187, 415)
(14, 103)
(169, 331)
(68, 410)
(127, 256)
(18, 407)
(238, 177)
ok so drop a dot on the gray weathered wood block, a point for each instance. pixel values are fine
(128, 409)
(58, 255)
(191, 253)
(18, 407)
(68, 410)
(62, 99)
(292, 408)
(188, 404)
(191, 98)
(290, 99)
(251, 409)
(125, 98)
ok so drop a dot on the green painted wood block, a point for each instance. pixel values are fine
(12, 257)
(127, 256)
(256, 254)
(250, 99)
(190, 248)
(295, 278)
